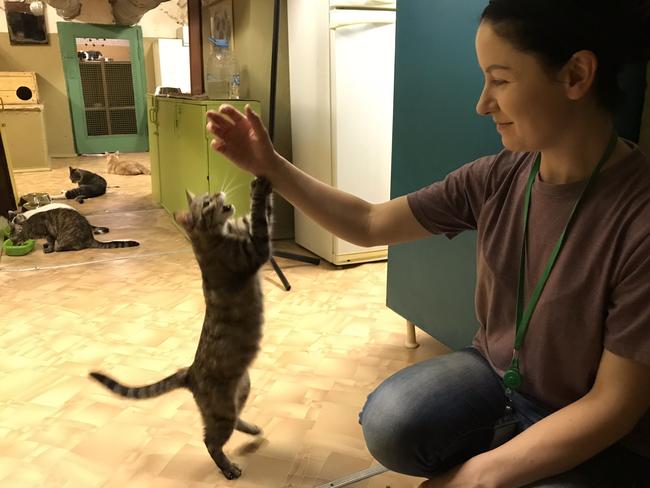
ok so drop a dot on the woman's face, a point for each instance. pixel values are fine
(528, 107)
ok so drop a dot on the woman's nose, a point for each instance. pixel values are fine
(485, 104)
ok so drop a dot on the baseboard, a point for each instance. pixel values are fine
(60, 156)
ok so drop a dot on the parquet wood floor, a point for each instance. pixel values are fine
(137, 314)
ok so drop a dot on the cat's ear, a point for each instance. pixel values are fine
(71, 169)
(190, 196)
(185, 219)
(11, 214)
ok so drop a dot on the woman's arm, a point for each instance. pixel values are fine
(617, 401)
(243, 139)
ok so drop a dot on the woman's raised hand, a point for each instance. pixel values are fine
(242, 138)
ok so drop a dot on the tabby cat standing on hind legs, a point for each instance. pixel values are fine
(229, 254)
(90, 184)
(126, 168)
(65, 230)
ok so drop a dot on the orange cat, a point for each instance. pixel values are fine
(117, 167)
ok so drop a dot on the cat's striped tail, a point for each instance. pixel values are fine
(173, 382)
(114, 244)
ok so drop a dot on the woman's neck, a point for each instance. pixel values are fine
(578, 151)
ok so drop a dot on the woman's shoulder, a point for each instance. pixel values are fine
(503, 169)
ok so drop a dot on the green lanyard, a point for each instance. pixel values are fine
(512, 378)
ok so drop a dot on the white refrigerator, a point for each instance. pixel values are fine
(341, 70)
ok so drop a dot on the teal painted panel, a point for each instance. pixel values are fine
(85, 143)
(436, 130)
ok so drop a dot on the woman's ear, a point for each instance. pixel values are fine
(579, 74)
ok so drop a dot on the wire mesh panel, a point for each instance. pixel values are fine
(109, 99)
(123, 121)
(92, 85)
(97, 122)
(119, 84)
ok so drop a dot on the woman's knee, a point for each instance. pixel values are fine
(413, 417)
(392, 433)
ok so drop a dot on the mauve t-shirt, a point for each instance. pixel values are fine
(598, 293)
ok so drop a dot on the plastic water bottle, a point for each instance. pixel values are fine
(223, 78)
(235, 78)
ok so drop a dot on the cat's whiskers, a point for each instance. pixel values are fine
(225, 185)
(233, 189)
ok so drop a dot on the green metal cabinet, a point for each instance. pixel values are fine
(152, 111)
(182, 157)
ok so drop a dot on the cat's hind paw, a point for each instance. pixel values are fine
(232, 472)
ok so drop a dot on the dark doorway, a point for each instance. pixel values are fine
(7, 201)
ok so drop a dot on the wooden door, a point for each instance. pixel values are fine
(106, 88)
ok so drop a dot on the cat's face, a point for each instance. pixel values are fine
(74, 174)
(16, 226)
(207, 213)
(112, 158)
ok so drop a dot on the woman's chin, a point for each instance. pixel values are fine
(513, 145)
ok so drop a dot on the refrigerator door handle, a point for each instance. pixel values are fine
(349, 18)
(360, 22)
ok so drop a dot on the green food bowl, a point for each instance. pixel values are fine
(11, 250)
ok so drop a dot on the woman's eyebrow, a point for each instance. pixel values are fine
(496, 66)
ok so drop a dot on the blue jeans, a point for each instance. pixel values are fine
(438, 413)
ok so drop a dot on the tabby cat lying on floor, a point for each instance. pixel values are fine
(90, 184)
(52, 206)
(126, 168)
(64, 229)
(229, 253)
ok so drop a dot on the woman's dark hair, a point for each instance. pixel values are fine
(617, 32)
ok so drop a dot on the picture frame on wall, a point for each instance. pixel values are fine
(26, 22)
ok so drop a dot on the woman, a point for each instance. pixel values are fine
(555, 390)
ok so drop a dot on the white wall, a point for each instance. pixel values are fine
(159, 22)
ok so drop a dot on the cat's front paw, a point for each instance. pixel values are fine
(261, 185)
(47, 248)
(232, 472)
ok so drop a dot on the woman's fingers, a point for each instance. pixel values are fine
(255, 120)
(218, 122)
(217, 145)
(231, 112)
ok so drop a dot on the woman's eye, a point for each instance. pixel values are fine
(499, 82)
